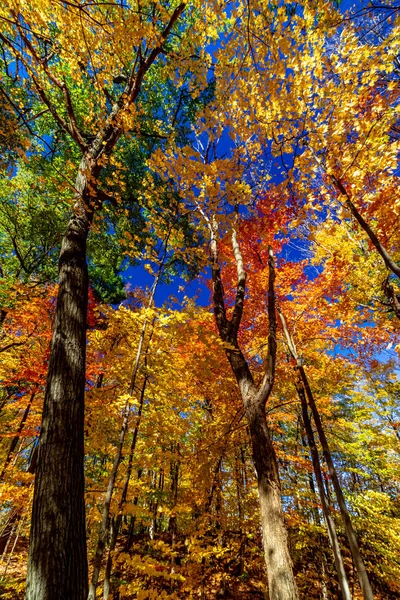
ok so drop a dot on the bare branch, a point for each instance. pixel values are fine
(269, 377)
(241, 285)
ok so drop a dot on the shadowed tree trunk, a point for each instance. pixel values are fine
(8, 530)
(281, 582)
(57, 565)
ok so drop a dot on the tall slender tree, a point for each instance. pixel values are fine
(281, 582)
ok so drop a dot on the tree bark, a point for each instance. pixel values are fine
(57, 566)
(281, 582)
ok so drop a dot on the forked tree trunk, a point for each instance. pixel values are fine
(57, 566)
(281, 581)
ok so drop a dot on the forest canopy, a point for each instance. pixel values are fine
(199, 300)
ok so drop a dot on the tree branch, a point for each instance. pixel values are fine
(387, 259)
(241, 285)
(269, 377)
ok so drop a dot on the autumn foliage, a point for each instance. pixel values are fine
(202, 203)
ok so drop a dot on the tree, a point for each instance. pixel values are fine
(281, 583)
(46, 40)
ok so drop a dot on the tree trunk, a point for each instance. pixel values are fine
(116, 523)
(57, 566)
(16, 438)
(8, 530)
(174, 472)
(281, 582)
(361, 571)
(330, 524)
(102, 539)
(350, 533)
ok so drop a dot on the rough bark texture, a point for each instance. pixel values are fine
(57, 566)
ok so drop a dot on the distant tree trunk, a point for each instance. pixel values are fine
(16, 438)
(172, 522)
(214, 483)
(57, 566)
(8, 530)
(281, 582)
(116, 524)
(330, 524)
(174, 472)
(239, 467)
(105, 521)
(351, 536)
(350, 533)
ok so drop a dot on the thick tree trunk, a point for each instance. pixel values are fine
(281, 582)
(330, 524)
(350, 533)
(57, 566)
